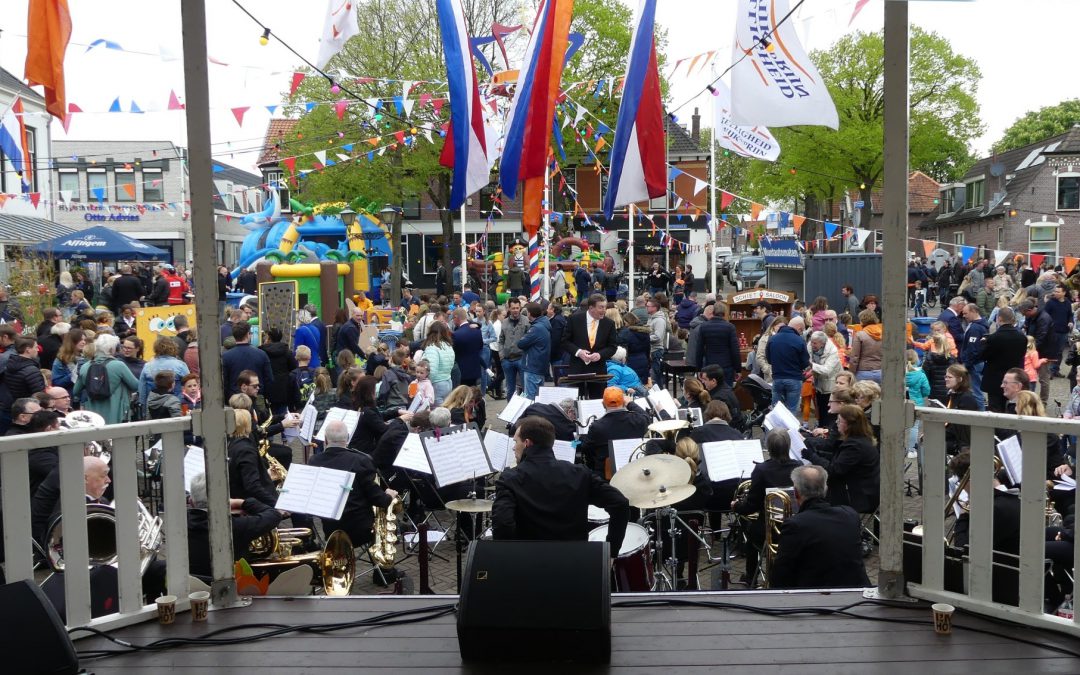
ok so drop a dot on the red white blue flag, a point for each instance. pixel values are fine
(13, 141)
(465, 150)
(637, 154)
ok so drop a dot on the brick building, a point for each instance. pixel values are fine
(1024, 200)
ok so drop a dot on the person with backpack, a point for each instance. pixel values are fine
(107, 381)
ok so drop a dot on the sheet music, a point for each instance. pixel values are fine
(564, 450)
(315, 490)
(500, 449)
(418, 403)
(797, 445)
(456, 457)
(514, 407)
(308, 416)
(411, 455)
(725, 460)
(586, 408)
(1065, 483)
(691, 415)
(289, 433)
(622, 449)
(642, 403)
(781, 417)
(350, 417)
(663, 402)
(194, 464)
(555, 394)
(1012, 458)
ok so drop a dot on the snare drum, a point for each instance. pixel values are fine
(634, 567)
(597, 515)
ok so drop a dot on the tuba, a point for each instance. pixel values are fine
(87, 419)
(740, 496)
(101, 537)
(384, 549)
(777, 510)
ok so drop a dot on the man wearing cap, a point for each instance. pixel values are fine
(617, 423)
(544, 499)
(589, 339)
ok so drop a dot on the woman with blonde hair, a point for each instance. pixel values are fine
(249, 473)
(1028, 403)
(615, 316)
(694, 394)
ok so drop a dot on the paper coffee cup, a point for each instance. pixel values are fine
(942, 618)
(200, 605)
(166, 609)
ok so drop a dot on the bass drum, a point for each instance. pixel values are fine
(633, 570)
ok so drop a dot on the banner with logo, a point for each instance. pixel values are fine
(753, 142)
(781, 252)
(776, 84)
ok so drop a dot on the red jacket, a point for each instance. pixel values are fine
(177, 288)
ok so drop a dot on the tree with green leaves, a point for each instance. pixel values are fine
(1040, 124)
(818, 164)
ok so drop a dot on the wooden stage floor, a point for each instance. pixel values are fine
(645, 640)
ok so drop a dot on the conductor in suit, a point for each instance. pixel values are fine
(821, 545)
(589, 339)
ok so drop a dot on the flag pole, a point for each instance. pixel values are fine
(667, 209)
(630, 258)
(712, 196)
(547, 230)
(464, 265)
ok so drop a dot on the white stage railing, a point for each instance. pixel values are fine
(18, 545)
(978, 564)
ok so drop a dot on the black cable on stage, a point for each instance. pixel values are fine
(841, 611)
(397, 618)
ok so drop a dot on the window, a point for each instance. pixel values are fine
(153, 189)
(96, 185)
(276, 180)
(1043, 238)
(1001, 238)
(69, 184)
(1068, 192)
(410, 208)
(958, 238)
(487, 200)
(125, 185)
(974, 194)
(30, 177)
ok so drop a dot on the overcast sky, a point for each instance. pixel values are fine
(1022, 49)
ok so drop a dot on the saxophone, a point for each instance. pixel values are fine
(384, 549)
(277, 472)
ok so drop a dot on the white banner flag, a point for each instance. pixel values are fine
(340, 25)
(1000, 257)
(776, 85)
(753, 142)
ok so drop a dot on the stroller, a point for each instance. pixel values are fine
(755, 398)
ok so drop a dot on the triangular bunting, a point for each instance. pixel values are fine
(35, 197)
(755, 210)
(830, 229)
(174, 102)
(290, 164)
(115, 107)
(321, 156)
(967, 251)
(297, 78)
(339, 109)
(1036, 260)
(1000, 257)
(797, 222)
(129, 188)
(1069, 263)
(928, 247)
(271, 109)
(725, 199)
(699, 185)
(238, 113)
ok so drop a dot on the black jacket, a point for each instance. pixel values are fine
(935, 365)
(772, 473)
(576, 336)
(854, 473)
(564, 427)
(125, 290)
(249, 474)
(958, 436)
(389, 445)
(368, 430)
(22, 378)
(50, 347)
(614, 425)
(282, 362)
(1006, 524)
(714, 432)
(1003, 349)
(558, 327)
(468, 344)
(820, 547)
(358, 517)
(636, 341)
(547, 500)
(1041, 327)
(719, 345)
(258, 519)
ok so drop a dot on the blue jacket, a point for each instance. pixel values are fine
(240, 358)
(954, 323)
(348, 337)
(918, 386)
(972, 346)
(558, 327)
(468, 345)
(622, 376)
(308, 335)
(718, 343)
(536, 347)
(787, 354)
(686, 312)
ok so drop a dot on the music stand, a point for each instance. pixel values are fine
(590, 385)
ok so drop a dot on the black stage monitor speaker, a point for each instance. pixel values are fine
(536, 601)
(32, 637)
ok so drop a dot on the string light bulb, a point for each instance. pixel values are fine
(264, 39)
(862, 186)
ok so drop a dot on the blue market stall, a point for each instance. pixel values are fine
(98, 243)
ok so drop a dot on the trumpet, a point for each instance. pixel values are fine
(278, 543)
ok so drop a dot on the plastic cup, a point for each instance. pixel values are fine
(200, 605)
(166, 609)
(942, 618)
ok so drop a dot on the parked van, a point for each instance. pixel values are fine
(748, 272)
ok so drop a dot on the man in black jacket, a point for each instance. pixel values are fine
(127, 289)
(358, 518)
(251, 519)
(1002, 349)
(821, 545)
(719, 345)
(22, 378)
(1006, 533)
(618, 422)
(543, 499)
(589, 339)
(561, 415)
(1039, 325)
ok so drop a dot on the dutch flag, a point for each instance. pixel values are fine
(465, 150)
(13, 141)
(637, 155)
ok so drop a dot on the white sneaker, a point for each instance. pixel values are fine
(912, 454)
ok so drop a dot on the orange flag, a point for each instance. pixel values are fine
(928, 246)
(755, 210)
(47, 34)
(1070, 263)
(797, 222)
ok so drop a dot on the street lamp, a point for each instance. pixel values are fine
(348, 216)
(391, 219)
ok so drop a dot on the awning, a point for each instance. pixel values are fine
(27, 230)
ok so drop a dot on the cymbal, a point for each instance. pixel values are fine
(665, 496)
(471, 505)
(643, 478)
(667, 426)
